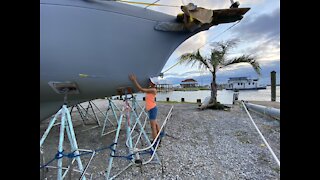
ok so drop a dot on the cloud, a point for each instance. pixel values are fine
(200, 40)
(266, 49)
(260, 35)
(269, 62)
(242, 68)
(264, 26)
(234, 67)
(186, 74)
(212, 4)
(250, 2)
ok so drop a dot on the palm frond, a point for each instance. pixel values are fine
(217, 58)
(193, 59)
(256, 66)
(188, 58)
(245, 59)
(219, 53)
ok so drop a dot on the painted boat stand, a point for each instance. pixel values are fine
(114, 110)
(136, 140)
(65, 125)
(84, 113)
(130, 116)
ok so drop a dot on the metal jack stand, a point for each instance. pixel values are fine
(114, 108)
(137, 150)
(84, 115)
(129, 113)
(42, 160)
(66, 124)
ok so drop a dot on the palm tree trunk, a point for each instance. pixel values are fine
(213, 99)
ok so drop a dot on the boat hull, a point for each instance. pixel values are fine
(96, 46)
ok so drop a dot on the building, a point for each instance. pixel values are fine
(187, 83)
(242, 83)
(164, 86)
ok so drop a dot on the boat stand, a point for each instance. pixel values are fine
(84, 112)
(114, 109)
(66, 124)
(130, 116)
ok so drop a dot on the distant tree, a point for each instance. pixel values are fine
(217, 60)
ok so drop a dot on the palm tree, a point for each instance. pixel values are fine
(216, 61)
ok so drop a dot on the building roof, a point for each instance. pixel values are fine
(189, 80)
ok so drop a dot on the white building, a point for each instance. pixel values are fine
(241, 83)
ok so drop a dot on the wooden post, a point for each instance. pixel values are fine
(273, 86)
(235, 96)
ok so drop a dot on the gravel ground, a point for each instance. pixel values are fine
(199, 144)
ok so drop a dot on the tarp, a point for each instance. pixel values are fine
(201, 14)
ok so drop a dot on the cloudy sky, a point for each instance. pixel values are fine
(258, 34)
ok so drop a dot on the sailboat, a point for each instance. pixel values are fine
(88, 48)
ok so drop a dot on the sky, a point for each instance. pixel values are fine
(257, 34)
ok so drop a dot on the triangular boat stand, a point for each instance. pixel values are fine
(137, 140)
(136, 135)
(66, 124)
(84, 113)
(114, 110)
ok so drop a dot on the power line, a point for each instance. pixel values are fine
(220, 34)
(205, 44)
(172, 66)
(151, 4)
